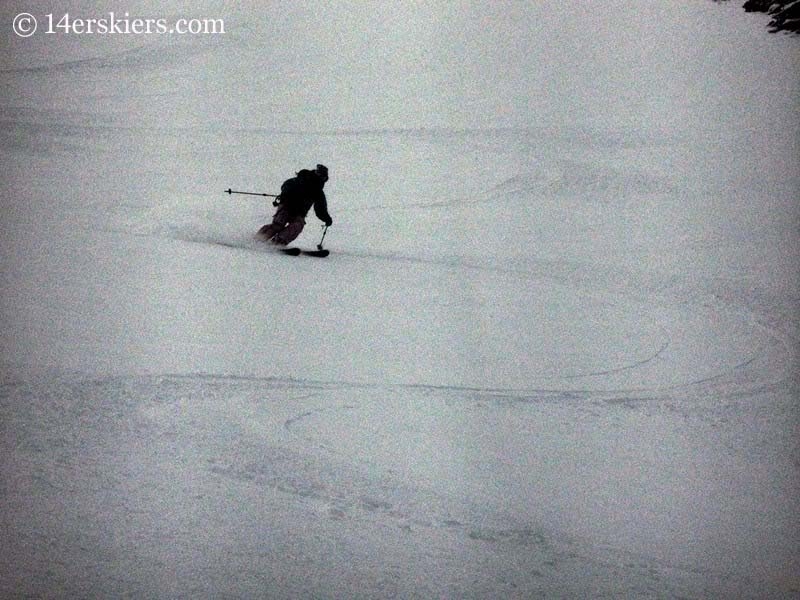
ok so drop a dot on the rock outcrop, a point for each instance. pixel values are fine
(785, 13)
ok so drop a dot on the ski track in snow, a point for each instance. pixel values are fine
(776, 349)
(330, 452)
(226, 431)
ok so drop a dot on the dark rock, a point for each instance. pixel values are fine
(785, 13)
(785, 18)
(758, 5)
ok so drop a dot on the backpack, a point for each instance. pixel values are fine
(295, 193)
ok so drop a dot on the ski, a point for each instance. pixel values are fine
(298, 252)
(318, 253)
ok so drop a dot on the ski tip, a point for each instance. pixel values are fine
(299, 251)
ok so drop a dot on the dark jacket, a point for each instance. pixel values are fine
(300, 193)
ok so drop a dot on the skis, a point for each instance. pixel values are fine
(300, 252)
(320, 252)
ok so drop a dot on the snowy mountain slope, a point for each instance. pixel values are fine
(553, 351)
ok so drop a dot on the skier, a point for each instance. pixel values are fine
(297, 196)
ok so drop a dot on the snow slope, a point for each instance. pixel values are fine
(553, 351)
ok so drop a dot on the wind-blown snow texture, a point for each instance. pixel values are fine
(552, 353)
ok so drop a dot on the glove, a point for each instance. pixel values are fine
(329, 222)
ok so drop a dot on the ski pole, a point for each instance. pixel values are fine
(274, 202)
(324, 231)
(230, 191)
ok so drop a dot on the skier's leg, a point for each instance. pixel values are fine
(269, 231)
(278, 223)
(291, 231)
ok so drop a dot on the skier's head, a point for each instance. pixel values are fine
(322, 172)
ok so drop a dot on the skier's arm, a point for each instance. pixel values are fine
(321, 210)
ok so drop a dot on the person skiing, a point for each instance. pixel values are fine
(297, 196)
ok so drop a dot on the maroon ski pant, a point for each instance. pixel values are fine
(285, 227)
